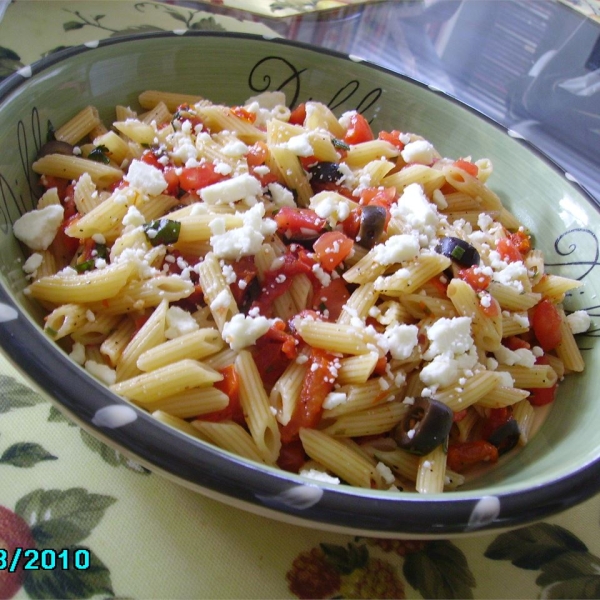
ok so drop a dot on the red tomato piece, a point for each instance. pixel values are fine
(393, 137)
(508, 251)
(243, 113)
(546, 322)
(298, 222)
(332, 298)
(317, 384)
(475, 278)
(298, 115)
(466, 454)
(331, 248)
(245, 271)
(467, 166)
(193, 179)
(351, 225)
(291, 456)
(542, 396)
(358, 131)
(230, 385)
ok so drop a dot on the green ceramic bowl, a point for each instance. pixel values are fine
(561, 465)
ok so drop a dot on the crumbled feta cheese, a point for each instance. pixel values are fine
(243, 187)
(449, 336)
(179, 322)
(235, 148)
(334, 399)
(401, 339)
(330, 206)
(33, 263)
(37, 228)
(385, 472)
(578, 321)
(146, 178)
(522, 356)
(133, 217)
(396, 249)
(102, 372)
(78, 353)
(300, 145)
(281, 195)
(243, 330)
(414, 208)
(512, 274)
(442, 370)
(317, 475)
(420, 151)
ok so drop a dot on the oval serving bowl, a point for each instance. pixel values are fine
(558, 468)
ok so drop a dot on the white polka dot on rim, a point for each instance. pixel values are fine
(8, 313)
(114, 416)
(485, 512)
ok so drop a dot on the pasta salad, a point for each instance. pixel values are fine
(297, 289)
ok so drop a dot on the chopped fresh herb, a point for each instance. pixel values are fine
(322, 307)
(101, 251)
(86, 265)
(457, 252)
(162, 231)
(100, 154)
(340, 144)
(51, 332)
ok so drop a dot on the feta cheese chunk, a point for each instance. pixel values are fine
(146, 178)
(243, 330)
(420, 151)
(37, 228)
(579, 321)
(243, 187)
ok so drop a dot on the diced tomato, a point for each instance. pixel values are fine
(521, 241)
(298, 222)
(378, 196)
(308, 161)
(246, 271)
(273, 352)
(462, 455)
(546, 322)
(490, 307)
(515, 343)
(257, 157)
(243, 113)
(508, 251)
(229, 385)
(467, 166)
(193, 179)
(440, 283)
(514, 247)
(63, 245)
(496, 418)
(393, 137)
(61, 184)
(298, 115)
(291, 456)
(358, 131)
(317, 384)
(332, 298)
(459, 415)
(331, 248)
(351, 225)
(277, 281)
(542, 396)
(475, 278)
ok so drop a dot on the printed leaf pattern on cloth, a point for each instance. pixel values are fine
(25, 455)
(568, 569)
(14, 394)
(436, 569)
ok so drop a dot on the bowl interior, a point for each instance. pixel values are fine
(564, 221)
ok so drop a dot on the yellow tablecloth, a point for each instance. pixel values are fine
(128, 533)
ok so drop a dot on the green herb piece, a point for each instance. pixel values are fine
(100, 154)
(457, 252)
(162, 231)
(339, 144)
(86, 265)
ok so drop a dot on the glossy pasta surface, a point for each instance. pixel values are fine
(285, 284)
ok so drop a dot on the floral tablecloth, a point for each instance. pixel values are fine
(92, 523)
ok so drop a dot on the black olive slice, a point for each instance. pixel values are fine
(459, 251)
(372, 223)
(325, 172)
(424, 427)
(55, 147)
(505, 437)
